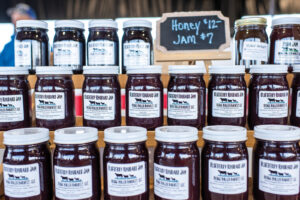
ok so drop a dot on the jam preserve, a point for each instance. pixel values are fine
(186, 96)
(176, 163)
(54, 98)
(276, 163)
(27, 164)
(76, 164)
(295, 111)
(101, 97)
(227, 92)
(224, 163)
(125, 163)
(31, 44)
(268, 95)
(144, 97)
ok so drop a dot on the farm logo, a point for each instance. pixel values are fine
(99, 51)
(64, 52)
(95, 103)
(123, 176)
(43, 102)
(17, 178)
(67, 179)
(227, 100)
(133, 52)
(168, 179)
(2, 105)
(142, 101)
(227, 174)
(273, 100)
(177, 102)
(278, 174)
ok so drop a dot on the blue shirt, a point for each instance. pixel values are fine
(7, 56)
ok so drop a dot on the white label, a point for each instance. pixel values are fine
(99, 106)
(73, 182)
(228, 104)
(21, 181)
(227, 177)
(11, 108)
(171, 182)
(287, 51)
(136, 52)
(50, 105)
(124, 180)
(67, 53)
(22, 53)
(254, 50)
(298, 104)
(273, 104)
(101, 52)
(281, 178)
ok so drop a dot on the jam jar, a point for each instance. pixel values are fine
(101, 97)
(176, 163)
(251, 41)
(276, 162)
(27, 164)
(54, 98)
(31, 44)
(103, 43)
(69, 45)
(227, 92)
(224, 163)
(186, 96)
(295, 90)
(137, 44)
(76, 164)
(268, 95)
(125, 163)
(15, 101)
(144, 97)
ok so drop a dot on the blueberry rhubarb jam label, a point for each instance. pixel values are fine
(101, 52)
(11, 108)
(67, 52)
(136, 52)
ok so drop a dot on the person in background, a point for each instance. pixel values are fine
(21, 11)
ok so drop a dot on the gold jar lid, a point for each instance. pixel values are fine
(250, 21)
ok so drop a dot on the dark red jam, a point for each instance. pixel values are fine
(295, 111)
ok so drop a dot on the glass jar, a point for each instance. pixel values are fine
(54, 98)
(276, 162)
(27, 164)
(69, 45)
(186, 96)
(144, 97)
(268, 95)
(101, 97)
(31, 44)
(227, 92)
(125, 163)
(225, 163)
(76, 164)
(137, 44)
(176, 163)
(295, 90)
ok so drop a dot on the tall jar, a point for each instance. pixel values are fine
(295, 90)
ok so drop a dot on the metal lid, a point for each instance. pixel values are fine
(26, 136)
(251, 21)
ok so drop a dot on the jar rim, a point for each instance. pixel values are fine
(227, 69)
(149, 69)
(137, 23)
(275, 132)
(53, 70)
(176, 134)
(13, 71)
(103, 23)
(100, 70)
(251, 21)
(75, 135)
(32, 24)
(26, 136)
(125, 134)
(69, 24)
(285, 20)
(268, 69)
(187, 69)
(225, 133)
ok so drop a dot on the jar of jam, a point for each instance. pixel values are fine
(268, 95)
(225, 163)
(176, 163)
(69, 45)
(31, 44)
(276, 162)
(137, 44)
(15, 101)
(103, 43)
(144, 97)
(27, 164)
(125, 163)
(186, 96)
(54, 98)
(295, 90)
(76, 164)
(101, 97)
(227, 92)
(251, 41)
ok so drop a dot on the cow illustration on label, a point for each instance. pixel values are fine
(67, 179)
(165, 178)
(177, 102)
(2, 105)
(273, 100)
(278, 174)
(43, 102)
(65, 52)
(226, 100)
(99, 51)
(230, 174)
(142, 101)
(133, 52)
(123, 176)
(20, 178)
(95, 103)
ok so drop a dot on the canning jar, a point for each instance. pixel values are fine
(295, 90)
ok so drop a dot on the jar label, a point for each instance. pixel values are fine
(281, 178)
(255, 50)
(67, 52)
(136, 52)
(273, 104)
(171, 182)
(227, 177)
(298, 104)
(124, 180)
(228, 104)
(73, 182)
(99, 106)
(287, 51)
(101, 52)
(183, 105)
(50, 105)
(11, 108)
(21, 181)
(144, 104)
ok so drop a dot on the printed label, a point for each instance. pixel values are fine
(298, 104)
(227, 177)
(136, 52)
(101, 52)
(287, 51)
(255, 50)
(281, 178)
(183, 105)
(67, 53)
(22, 53)
(21, 181)
(11, 108)
(124, 180)
(171, 182)
(73, 182)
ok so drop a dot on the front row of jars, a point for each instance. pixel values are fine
(224, 163)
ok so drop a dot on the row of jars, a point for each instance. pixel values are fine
(70, 49)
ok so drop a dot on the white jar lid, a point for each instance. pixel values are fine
(106, 23)
(75, 135)
(225, 133)
(49, 70)
(187, 69)
(125, 134)
(26, 136)
(101, 70)
(285, 20)
(13, 71)
(227, 69)
(137, 23)
(277, 132)
(176, 134)
(69, 24)
(149, 69)
(32, 24)
(268, 69)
